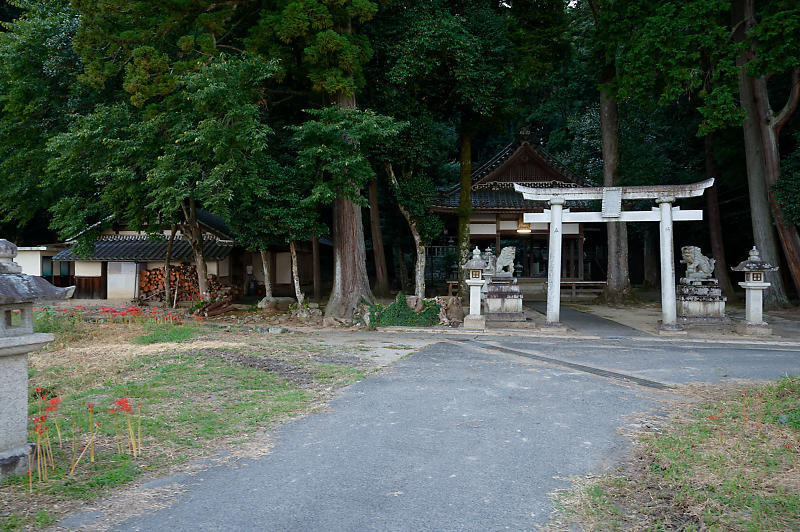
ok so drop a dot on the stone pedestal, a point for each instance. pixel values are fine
(17, 294)
(700, 301)
(14, 399)
(504, 300)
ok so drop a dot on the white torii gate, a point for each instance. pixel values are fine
(665, 214)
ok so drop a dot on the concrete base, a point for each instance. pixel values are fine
(754, 329)
(704, 320)
(554, 326)
(15, 461)
(474, 323)
(506, 316)
(671, 330)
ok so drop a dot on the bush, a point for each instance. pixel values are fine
(399, 314)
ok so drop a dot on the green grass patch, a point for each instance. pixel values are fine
(400, 314)
(165, 333)
(729, 464)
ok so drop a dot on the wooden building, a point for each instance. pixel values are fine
(496, 219)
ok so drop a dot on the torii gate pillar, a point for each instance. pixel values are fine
(669, 317)
(554, 263)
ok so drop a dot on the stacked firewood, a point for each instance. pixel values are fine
(183, 284)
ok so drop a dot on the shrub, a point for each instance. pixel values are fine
(399, 314)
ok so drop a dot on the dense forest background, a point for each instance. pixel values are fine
(290, 118)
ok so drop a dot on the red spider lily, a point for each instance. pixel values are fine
(712, 417)
(80, 307)
(90, 406)
(53, 404)
(105, 310)
(39, 391)
(123, 404)
(112, 410)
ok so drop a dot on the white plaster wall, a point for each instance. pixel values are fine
(483, 229)
(121, 280)
(154, 265)
(212, 267)
(283, 268)
(31, 262)
(88, 269)
(224, 267)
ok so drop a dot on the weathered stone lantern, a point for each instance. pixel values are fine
(754, 285)
(474, 268)
(17, 294)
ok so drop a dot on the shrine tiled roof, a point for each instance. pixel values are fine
(141, 249)
(524, 162)
(490, 198)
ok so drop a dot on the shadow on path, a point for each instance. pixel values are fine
(586, 323)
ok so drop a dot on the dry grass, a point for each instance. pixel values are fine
(729, 462)
(218, 390)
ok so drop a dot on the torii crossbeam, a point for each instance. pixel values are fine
(665, 214)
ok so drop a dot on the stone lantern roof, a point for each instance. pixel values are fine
(476, 262)
(754, 263)
(16, 287)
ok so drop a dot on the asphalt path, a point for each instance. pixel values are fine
(462, 435)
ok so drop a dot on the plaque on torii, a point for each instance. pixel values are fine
(612, 197)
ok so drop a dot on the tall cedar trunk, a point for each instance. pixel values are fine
(787, 232)
(350, 280)
(194, 233)
(315, 266)
(652, 266)
(419, 265)
(618, 278)
(760, 216)
(402, 268)
(715, 223)
(167, 259)
(296, 275)
(266, 264)
(381, 276)
(464, 209)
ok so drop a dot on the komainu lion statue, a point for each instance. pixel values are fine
(505, 262)
(698, 266)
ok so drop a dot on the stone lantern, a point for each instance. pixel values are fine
(474, 268)
(754, 286)
(17, 294)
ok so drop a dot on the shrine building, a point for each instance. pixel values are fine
(497, 209)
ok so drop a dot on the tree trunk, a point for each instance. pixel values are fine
(419, 265)
(760, 216)
(296, 275)
(350, 280)
(464, 209)
(787, 232)
(167, 259)
(194, 233)
(381, 277)
(402, 268)
(715, 223)
(315, 265)
(266, 264)
(652, 266)
(618, 278)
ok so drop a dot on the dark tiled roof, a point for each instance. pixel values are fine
(214, 222)
(491, 199)
(141, 249)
